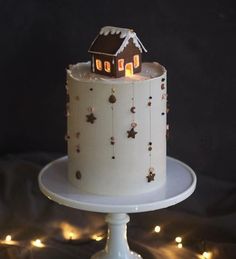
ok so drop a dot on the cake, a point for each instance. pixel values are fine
(116, 118)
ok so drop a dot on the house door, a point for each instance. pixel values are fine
(129, 69)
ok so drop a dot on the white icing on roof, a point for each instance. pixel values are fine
(114, 30)
(125, 34)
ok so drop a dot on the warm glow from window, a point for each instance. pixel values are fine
(107, 66)
(98, 64)
(121, 64)
(129, 69)
(136, 61)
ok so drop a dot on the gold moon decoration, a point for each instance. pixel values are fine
(133, 109)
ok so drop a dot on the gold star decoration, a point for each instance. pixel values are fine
(150, 176)
(91, 118)
(131, 133)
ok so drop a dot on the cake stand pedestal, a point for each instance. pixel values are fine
(180, 184)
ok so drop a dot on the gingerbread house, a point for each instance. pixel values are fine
(116, 52)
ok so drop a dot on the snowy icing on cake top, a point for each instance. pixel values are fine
(82, 72)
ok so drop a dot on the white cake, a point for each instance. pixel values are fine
(116, 130)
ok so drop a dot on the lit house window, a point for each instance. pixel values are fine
(107, 66)
(98, 64)
(121, 64)
(136, 61)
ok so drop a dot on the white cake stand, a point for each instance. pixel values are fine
(180, 184)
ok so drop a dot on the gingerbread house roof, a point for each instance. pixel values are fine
(112, 41)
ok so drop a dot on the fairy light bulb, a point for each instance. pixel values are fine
(180, 245)
(178, 239)
(37, 243)
(8, 241)
(71, 235)
(206, 255)
(157, 229)
(8, 238)
(97, 238)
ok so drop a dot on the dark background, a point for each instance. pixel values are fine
(194, 40)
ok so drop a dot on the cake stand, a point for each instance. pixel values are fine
(180, 184)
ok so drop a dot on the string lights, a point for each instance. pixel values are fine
(157, 229)
(71, 236)
(37, 243)
(206, 255)
(71, 233)
(97, 237)
(8, 241)
(178, 240)
(179, 244)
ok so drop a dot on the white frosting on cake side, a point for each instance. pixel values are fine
(122, 168)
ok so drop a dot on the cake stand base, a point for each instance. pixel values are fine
(180, 184)
(117, 245)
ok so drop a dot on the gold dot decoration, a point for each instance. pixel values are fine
(67, 110)
(112, 101)
(78, 175)
(150, 146)
(131, 132)
(167, 109)
(67, 137)
(150, 97)
(112, 141)
(151, 175)
(164, 96)
(112, 98)
(167, 131)
(78, 149)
